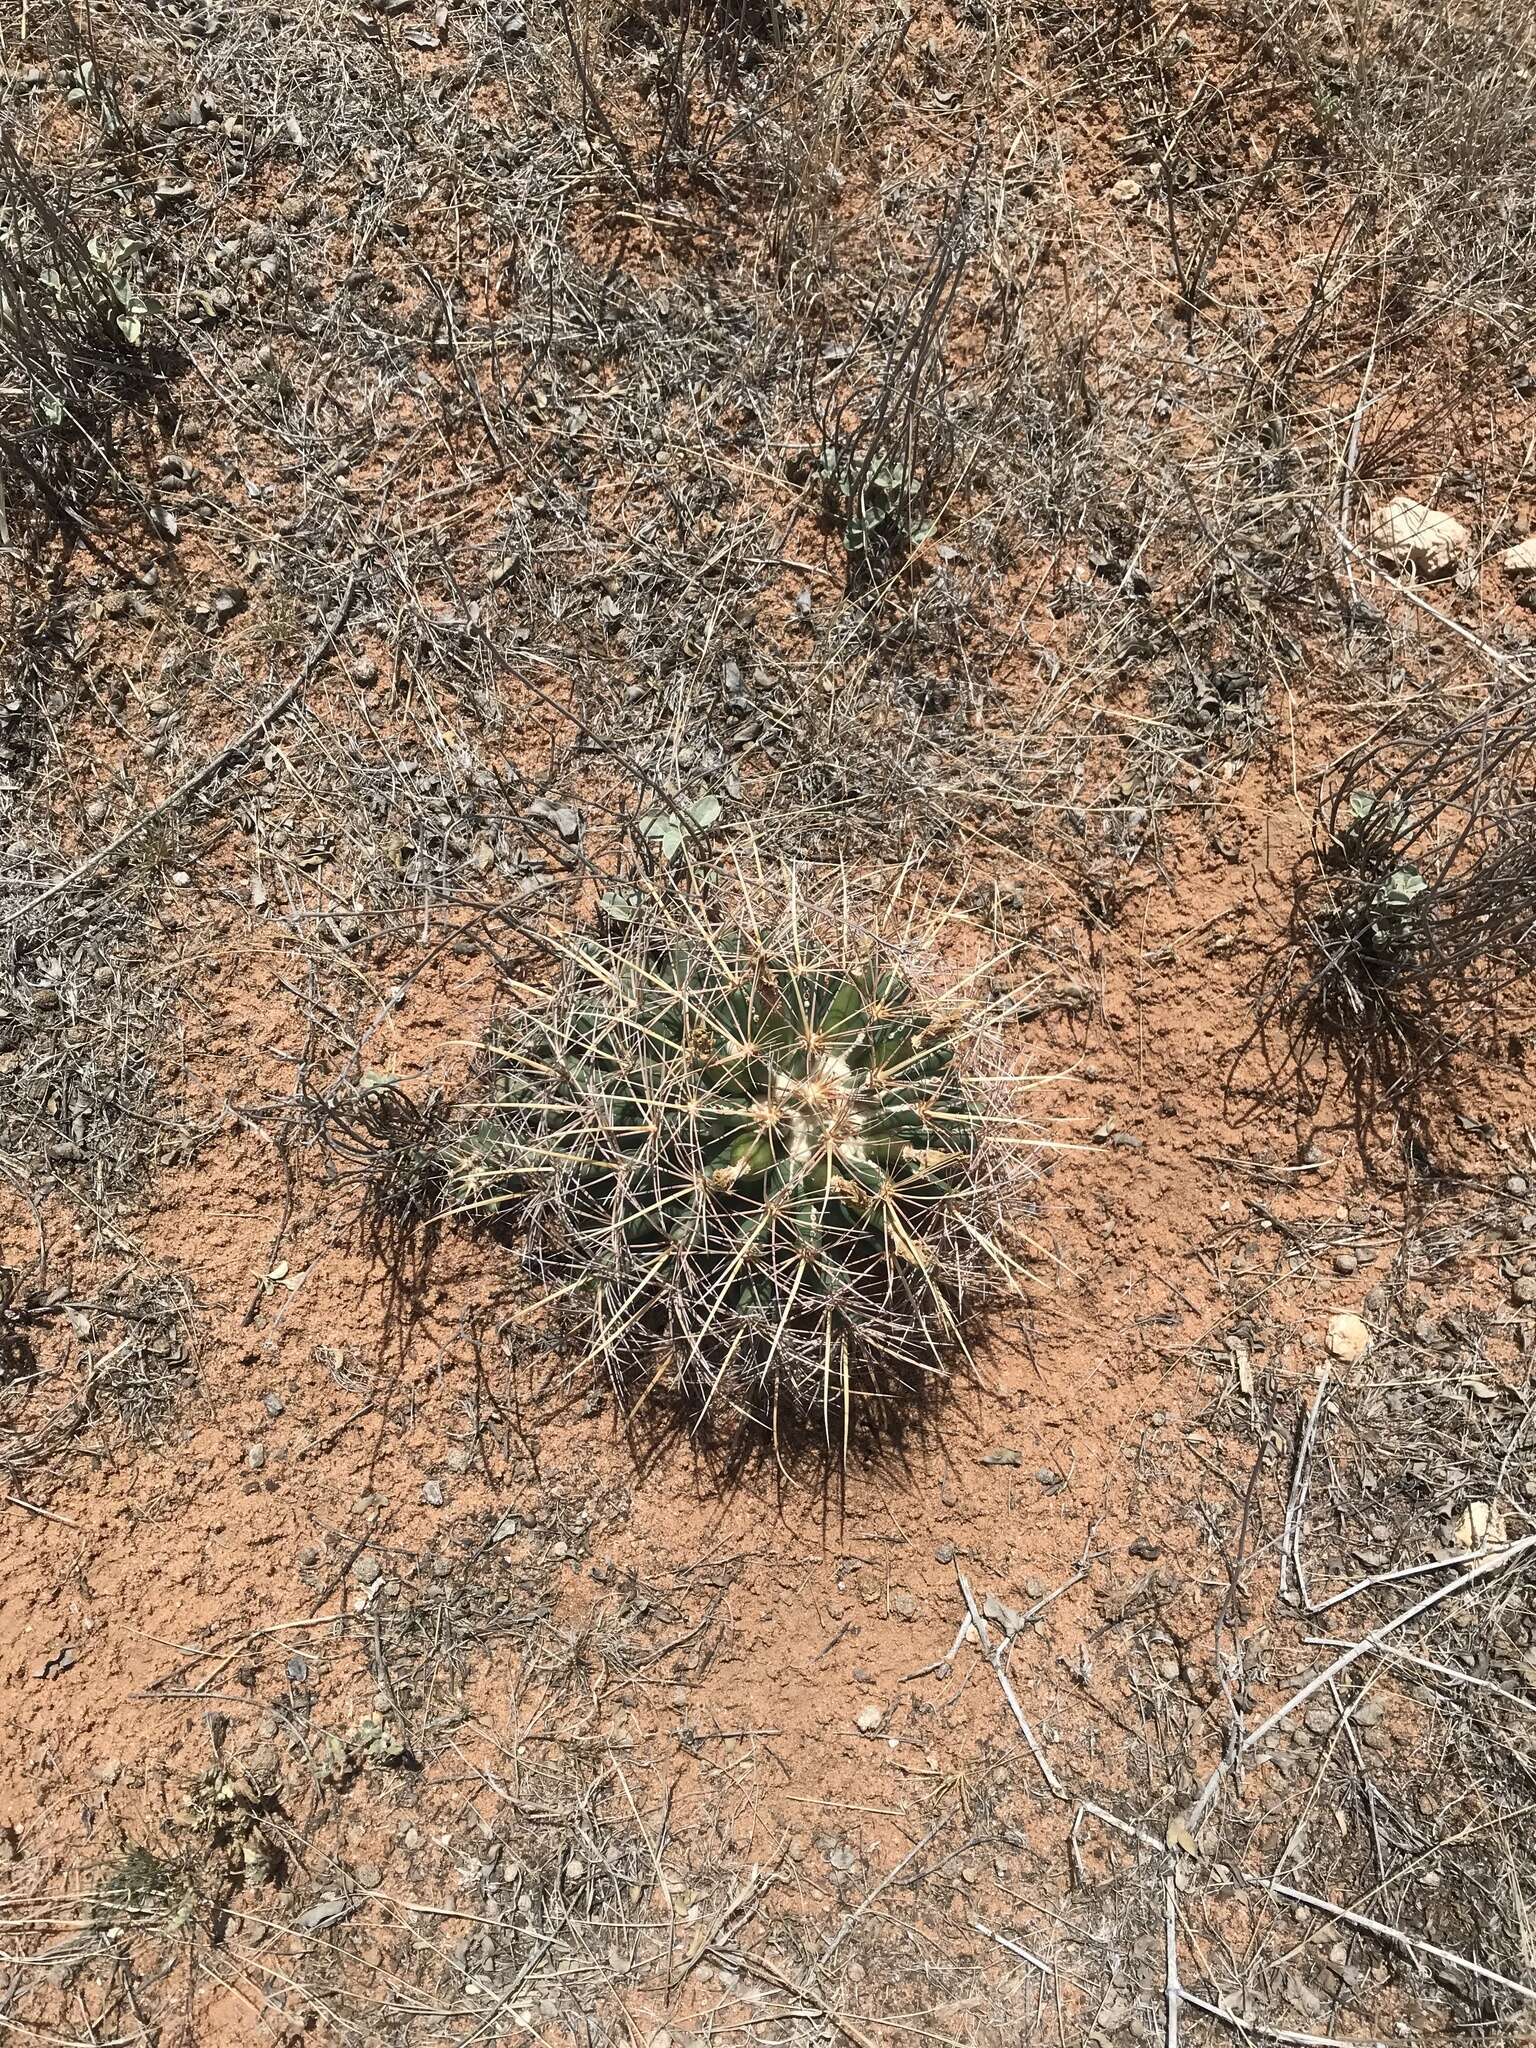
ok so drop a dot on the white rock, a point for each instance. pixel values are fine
(1408, 535)
(1348, 1338)
(869, 1719)
(1521, 560)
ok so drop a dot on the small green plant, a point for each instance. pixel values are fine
(877, 508)
(340, 1758)
(754, 1162)
(887, 445)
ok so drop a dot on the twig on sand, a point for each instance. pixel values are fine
(1412, 1942)
(216, 763)
(1172, 1991)
(1496, 1561)
(1258, 2030)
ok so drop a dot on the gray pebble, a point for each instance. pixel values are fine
(367, 1568)
(1522, 1292)
(1345, 1262)
(273, 1403)
(255, 1456)
(368, 1878)
(432, 1494)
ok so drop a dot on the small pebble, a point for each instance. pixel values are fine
(868, 1720)
(255, 1456)
(1517, 1184)
(1348, 1339)
(273, 1403)
(1345, 1262)
(903, 1606)
(368, 1568)
(1522, 1292)
(368, 1878)
(432, 1493)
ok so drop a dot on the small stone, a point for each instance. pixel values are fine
(95, 812)
(1408, 535)
(1522, 1291)
(255, 1457)
(903, 1606)
(273, 1403)
(413, 1838)
(1125, 191)
(109, 1772)
(1348, 1339)
(368, 1569)
(1521, 560)
(1345, 1262)
(1517, 1184)
(365, 672)
(868, 1720)
(367, 1877)
(1005, 1456)
(181, 879)
(432, 1493)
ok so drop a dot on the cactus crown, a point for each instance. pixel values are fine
(754, 1168)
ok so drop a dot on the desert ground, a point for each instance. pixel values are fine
(518, 527)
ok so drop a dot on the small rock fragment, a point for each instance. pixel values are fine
(1408, 535)
(367, 1568)
(1522, 1291)
(255, 1457)
(868, 1720)
(1348, 1339)
(432, 1493)
(1521, 560)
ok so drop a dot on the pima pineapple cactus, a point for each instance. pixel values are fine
(756, 1166)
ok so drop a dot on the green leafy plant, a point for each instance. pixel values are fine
(877, 507)
(753, 1162)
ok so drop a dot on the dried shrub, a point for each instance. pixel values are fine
(1416, 904)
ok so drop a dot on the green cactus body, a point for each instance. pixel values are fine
(747, 1166)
